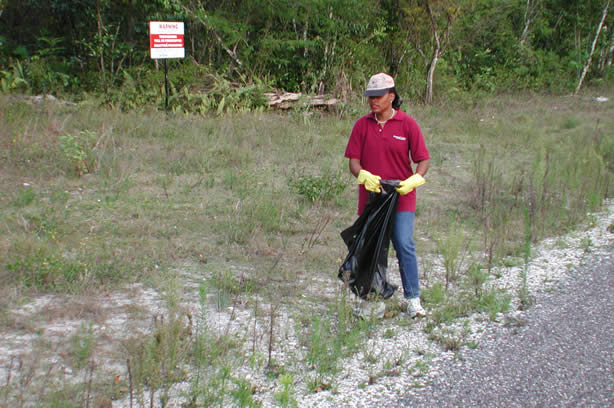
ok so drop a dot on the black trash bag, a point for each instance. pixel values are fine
(368, 240)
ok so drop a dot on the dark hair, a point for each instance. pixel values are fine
(396, 104)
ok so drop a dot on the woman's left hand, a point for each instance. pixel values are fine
(407, 186)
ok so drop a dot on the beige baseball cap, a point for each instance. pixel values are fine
(379, 84)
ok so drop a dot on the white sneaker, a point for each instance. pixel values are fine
(414, 308)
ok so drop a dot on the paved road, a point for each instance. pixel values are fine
(562, 355)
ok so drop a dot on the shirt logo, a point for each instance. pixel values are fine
(399, 137)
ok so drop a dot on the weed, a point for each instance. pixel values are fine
(78, 151)
(434, 295)
(24, 197)
(587, 244)
(156, 360)
(561, 244)
(448, 338)
(284, 397)
(389, 333)
(317, 383)
(477, 277)
(226, 287)
(487, 179)
(523, 291)
(327, 343)
(453, 248)
(322, 353)
(83, 343)
(243, 395)
(316, 188)
(450, 311)
(14, 79)
(493, 302)
(422, 367)
(495, 230)
(41, 269)
(570, 123)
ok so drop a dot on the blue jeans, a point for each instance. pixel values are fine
(403, 242)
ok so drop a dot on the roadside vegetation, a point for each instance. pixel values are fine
(240, 214)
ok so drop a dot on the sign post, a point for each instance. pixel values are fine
(166, 40)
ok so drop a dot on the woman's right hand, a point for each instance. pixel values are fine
(370, 181)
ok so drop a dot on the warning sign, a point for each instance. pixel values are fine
(166, 39)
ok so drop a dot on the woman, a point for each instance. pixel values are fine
(383, 145)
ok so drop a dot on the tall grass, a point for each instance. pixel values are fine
(93, 199)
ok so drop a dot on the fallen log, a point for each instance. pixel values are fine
(289, 100)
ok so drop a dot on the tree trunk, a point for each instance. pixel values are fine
(590, 58)
(609, 53)
(428, 97)
(101, 50)
(204, 20)
(529, 16)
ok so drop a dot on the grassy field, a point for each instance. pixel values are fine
(250, 207)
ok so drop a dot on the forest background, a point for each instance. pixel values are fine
(438, 50)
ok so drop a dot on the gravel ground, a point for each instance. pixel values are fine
(558, 354)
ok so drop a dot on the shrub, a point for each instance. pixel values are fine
(318, 188)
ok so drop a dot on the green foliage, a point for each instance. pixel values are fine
(46, 76)
(570, 123)
(322, 354)
(83, 344)
(316, 188)
(434, 295)
(493, 302)
(192, 89)
(24, 197)
(48, 71)
(328, 340)
(477, 277)
(78, 151)
(14, 79)
(41, 269)
(453, 248)
(155, 360)
(315, 46)
(211, 356)
(140, 88)
(243, 395)
(220, 96)
(285, 397)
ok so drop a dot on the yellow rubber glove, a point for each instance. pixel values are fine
(370, 181)
(407, 186)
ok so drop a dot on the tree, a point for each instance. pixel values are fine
(530, 13)
(428, 23)
(590, 57)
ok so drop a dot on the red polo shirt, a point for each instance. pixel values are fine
(387, 152)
